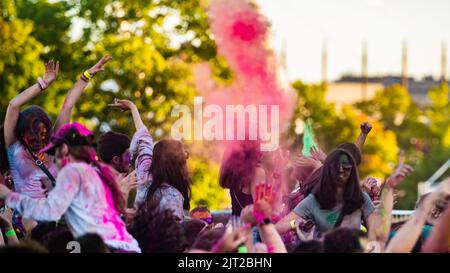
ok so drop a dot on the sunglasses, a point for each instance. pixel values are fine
(345, 163)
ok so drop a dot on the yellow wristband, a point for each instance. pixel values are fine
(87, 74)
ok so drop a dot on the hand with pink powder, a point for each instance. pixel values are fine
(262, 203)
(262, 211)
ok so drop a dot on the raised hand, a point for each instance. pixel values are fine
(318, 154)
(100, 65)
(370, 186)
(303, 166)
(262, 203)
(365, 128)
(123, 105)
(51, 71)
(400, 173)
(235, 236)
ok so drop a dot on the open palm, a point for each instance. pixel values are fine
(51, 71)
(100, 65)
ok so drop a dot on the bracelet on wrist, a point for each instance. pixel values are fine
(10, 233)
(83, 78)
(242, 249)
(265, 221)
(42, 84)
(88, 75)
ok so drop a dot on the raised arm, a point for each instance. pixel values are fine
(50, 208)
(439, 239)
(262, 211)
(75, 92)
(379, 223)
(365, 130)
(409, 233)
(12, 113)
(126, 105)
(141, 147)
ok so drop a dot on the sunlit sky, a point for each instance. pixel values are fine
(304, 24)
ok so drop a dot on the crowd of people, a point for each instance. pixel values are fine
(61, 189)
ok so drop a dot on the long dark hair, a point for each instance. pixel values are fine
(169, 166)
(239, 165)
(4, 164)
(28, 121)
(87, 154)
(325, 193)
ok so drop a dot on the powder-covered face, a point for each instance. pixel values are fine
(61, 158)
(203, 215)
(38, 139)
(343, 170)
(124, 163)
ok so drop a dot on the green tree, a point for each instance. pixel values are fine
(334, 126)
(154, 45)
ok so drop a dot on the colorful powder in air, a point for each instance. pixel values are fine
(308, 139)
(242, 35)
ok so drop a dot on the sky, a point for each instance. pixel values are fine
(303, 25)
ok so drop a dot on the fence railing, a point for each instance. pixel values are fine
(397, 215)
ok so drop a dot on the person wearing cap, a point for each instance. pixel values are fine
(86, 193)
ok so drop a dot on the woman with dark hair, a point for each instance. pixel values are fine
(26, 132)
(307, 170)
(337, 200)
(86, 192)
(240, 171)
(161, 169)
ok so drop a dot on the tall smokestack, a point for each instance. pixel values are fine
(444, 62)
(405, 65)
(364, 71)
(324, 61)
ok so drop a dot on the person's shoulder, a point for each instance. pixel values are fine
(309, 200)
(168, 190)
(15, 147)
(78, 167)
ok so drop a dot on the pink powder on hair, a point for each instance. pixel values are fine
(112, 216)
(78, 126)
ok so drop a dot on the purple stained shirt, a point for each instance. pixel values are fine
(86, 203)
(141, 147)
(27, 176)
